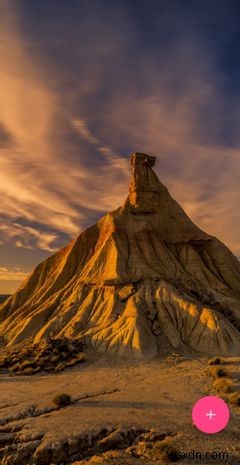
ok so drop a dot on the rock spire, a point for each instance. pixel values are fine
(144, 279)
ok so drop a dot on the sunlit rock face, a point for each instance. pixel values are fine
(142, 279)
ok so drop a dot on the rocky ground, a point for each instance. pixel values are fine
(120, 413)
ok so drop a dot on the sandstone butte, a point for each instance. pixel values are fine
(143, 278)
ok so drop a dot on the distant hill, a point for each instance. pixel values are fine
(3, 297)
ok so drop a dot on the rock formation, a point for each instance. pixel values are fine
(143, 278)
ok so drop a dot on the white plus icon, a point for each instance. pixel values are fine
(210, 415)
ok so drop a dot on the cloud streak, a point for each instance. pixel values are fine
(14, 274)
(65, 130)
(37, 180)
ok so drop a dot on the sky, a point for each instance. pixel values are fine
(85, 83)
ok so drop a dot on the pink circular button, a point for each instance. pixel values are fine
(210, 414)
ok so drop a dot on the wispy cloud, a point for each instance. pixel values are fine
(84, 132)
(12, 274)
(28, 237)
(39, 180)
(66, 127)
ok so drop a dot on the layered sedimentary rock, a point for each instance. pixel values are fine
(144, 277)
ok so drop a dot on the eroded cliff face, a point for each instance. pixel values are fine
(141, 279)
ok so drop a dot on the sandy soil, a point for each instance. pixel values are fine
(155, 395)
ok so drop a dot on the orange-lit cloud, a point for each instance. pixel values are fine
(28, 237)
(37, 182)
(48, 188)
(14, 274)
(11, 278)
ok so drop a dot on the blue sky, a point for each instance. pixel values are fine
(83, 84)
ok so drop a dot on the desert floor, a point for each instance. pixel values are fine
(108, 394)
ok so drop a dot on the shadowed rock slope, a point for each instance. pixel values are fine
(143, 278)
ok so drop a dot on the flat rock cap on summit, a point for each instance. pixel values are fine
(142, 158)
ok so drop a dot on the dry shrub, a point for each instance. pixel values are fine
(27, 364)
(224, 385)
(216, 361)
(234, 399)
(50, 355)
(165, 450)
(14, 369)
(61, 400)
(80, 358)
(59, 367)
(28, 371)
(218, 372)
